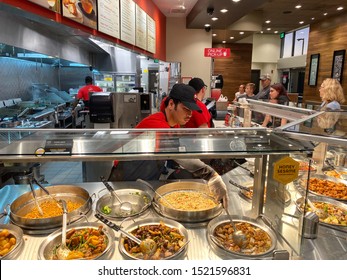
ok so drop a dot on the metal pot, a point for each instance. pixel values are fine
(23, 204)
(223, 252)
(155, 221)
(180, 215)
(139, 199)
(18, 234)
(54, 239)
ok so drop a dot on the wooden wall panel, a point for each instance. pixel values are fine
(236, 69)
(325, 38)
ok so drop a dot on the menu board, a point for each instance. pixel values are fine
(151, 35)
(141, 28)
(108, 19)
(53, 5)
(83, 11)
(127, 21)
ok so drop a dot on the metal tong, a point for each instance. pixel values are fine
(240, 165)
(239, 186)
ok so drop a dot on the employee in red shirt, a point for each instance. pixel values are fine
(199, 119)
(179, 106)
(84, 92)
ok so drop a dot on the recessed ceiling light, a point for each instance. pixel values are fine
(298, 6)
(268, 29)
(262, 32)
(339, 8)
(236, 1)
(325, 14)
(223, 42)
(207, 25)
(232, 37)
(241, 32)
(268, 21)
(214, 34)
(214, 18)
(223, 11)
(301, 22)
(276, 32)
(312, 18)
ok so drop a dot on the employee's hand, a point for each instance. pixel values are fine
(218, 188)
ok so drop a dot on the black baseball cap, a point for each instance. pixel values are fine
(186, 94)
(197, 84)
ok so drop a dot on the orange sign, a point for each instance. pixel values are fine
(286, 170)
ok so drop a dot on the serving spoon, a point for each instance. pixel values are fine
(239, 237)
(63, 251)
(147, 246)
(124, 206)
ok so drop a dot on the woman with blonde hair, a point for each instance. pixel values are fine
(331, 93)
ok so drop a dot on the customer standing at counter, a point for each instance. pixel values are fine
(178, 110)
(278, 95)
(331, 93)
(263, 94)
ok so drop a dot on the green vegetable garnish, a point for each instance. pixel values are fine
(106, 210)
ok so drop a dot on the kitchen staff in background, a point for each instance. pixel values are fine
(179, 106)
(331, 93)
(203, 119)
(83, 92)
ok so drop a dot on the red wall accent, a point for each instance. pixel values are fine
(147, 5)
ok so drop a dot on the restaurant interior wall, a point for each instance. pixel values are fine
(187, 46)
(326, 37)
(235, 69)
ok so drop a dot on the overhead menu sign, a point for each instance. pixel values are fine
(141, 28)
(217, 52)
(84, 11)
(53, 5)
(127, 21)
(108, 19)
(151, 39)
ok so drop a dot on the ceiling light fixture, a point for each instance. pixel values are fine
(268, 21)
(276, 32)
(301, 22)
(236, 1)
(223, 42)
(298, 6)
(223, 11)
(268, 29)
(207, 25)
(232, 37)
(214, 34)
(325, 14)
(339, 8)
(312, 18)
(214, 18)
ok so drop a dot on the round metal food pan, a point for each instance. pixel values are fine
(23, 204)
(301, 184)
(139, 199)
(18, 248)
(180, 215)
(299, 204)
(341, 170)
(220, 250)
(155, 221)
(284, 197)
(47, 246)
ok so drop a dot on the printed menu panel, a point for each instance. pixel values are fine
(141, 28)
(53, 5)
(151, 39)
(108, 19)
(127, 21)
(82, 11)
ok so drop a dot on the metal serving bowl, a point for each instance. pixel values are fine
(54, 239)
(155, 221)
(180, 215)
(18, 234)
(23, 205)
(139, 199)
(221, 251)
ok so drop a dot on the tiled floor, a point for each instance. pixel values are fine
(62, 172)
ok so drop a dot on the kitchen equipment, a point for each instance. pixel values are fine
(238, 236)
(35, 199)
(248, 170)
(239, 186)
(24, 203)
(148, 246)
(125, 208)
(308, 225)
(185, 216)
(47, 247)
(63, 251)
(179, 254)
(245, 253)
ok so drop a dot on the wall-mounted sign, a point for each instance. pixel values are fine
(286, 170)
(127, 21)
(217, 52)
(53, 5)
(108, 19)
(141, 28)
(83, 11)
(151, 36)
